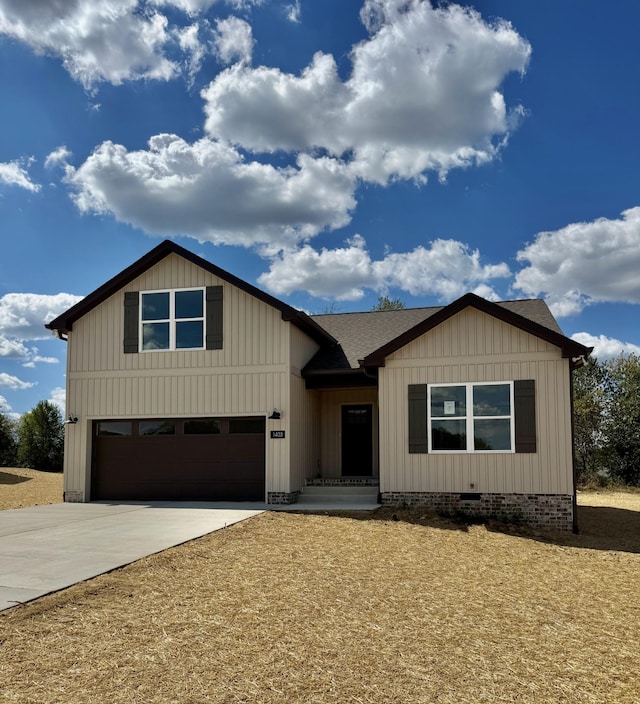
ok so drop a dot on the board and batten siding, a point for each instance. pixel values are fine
(304, 422)
(475, 347)
(305, 433)
(250, 375)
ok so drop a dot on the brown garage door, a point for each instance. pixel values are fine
(211, 459)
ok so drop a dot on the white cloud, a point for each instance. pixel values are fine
(22, 319)
(233, 40)
(423, 95)
(605, 347)
(101, 40)
(35, 358)
(206, 190)
(446, 269)
(12, 382)
(4, 406)
(61, 155)
(121, 40)
(192, 46)
(59, 398)
(338, 273)
(191, 7)
(23, 315)
(584, 263)
(485, 291)
(12, 173)
(244, 4)
(265, 110)
(294, 12)
(13, 349)
(194, 7)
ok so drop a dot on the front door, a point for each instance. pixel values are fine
(357, 440)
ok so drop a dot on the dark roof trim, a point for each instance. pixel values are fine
(570, 348)
(339, 379)
(64, 323)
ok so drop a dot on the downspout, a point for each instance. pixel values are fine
(368, 374)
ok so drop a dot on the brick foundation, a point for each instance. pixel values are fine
(550, 510)
(343, 481)
(74, 497)
(282, 497)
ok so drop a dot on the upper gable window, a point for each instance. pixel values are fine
(172, 320)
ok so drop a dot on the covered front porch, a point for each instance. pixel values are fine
(348, 438)
(346, 472)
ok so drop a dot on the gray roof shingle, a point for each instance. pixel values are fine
(359, 334)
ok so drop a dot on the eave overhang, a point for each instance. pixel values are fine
(340, 378)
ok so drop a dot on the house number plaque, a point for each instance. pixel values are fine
(277, 434)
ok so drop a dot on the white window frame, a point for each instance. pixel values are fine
(470, 418)
(172, 320)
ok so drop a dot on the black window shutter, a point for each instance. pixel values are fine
(524, 393)
(131, 320)
(214, 317)
(418, 441)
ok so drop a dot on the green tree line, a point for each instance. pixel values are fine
(606, 400)
(35, 440)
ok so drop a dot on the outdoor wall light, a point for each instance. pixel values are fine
(275, 415)
(71, 420)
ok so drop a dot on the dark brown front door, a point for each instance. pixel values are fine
(210, 459)
(357, 440)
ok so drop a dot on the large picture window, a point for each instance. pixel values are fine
(471, 417)
(172, 320)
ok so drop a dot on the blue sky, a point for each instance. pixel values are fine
(327, 151)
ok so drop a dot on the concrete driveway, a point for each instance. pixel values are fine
(46, 548)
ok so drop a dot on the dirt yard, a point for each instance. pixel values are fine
(332, 608)
(22, 487)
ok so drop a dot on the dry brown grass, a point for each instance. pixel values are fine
(21, 487)
(622, 499)
(332, 608)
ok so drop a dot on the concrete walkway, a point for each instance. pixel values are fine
(47, 548)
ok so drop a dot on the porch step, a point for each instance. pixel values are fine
(339, 495)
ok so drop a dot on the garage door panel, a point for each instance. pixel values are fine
(184, 491)
(216, 467)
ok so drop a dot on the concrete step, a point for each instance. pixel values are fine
(327, 489)
(339, 494)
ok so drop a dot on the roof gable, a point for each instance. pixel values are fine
(64, 323)
(509, 315)
(361, 333)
